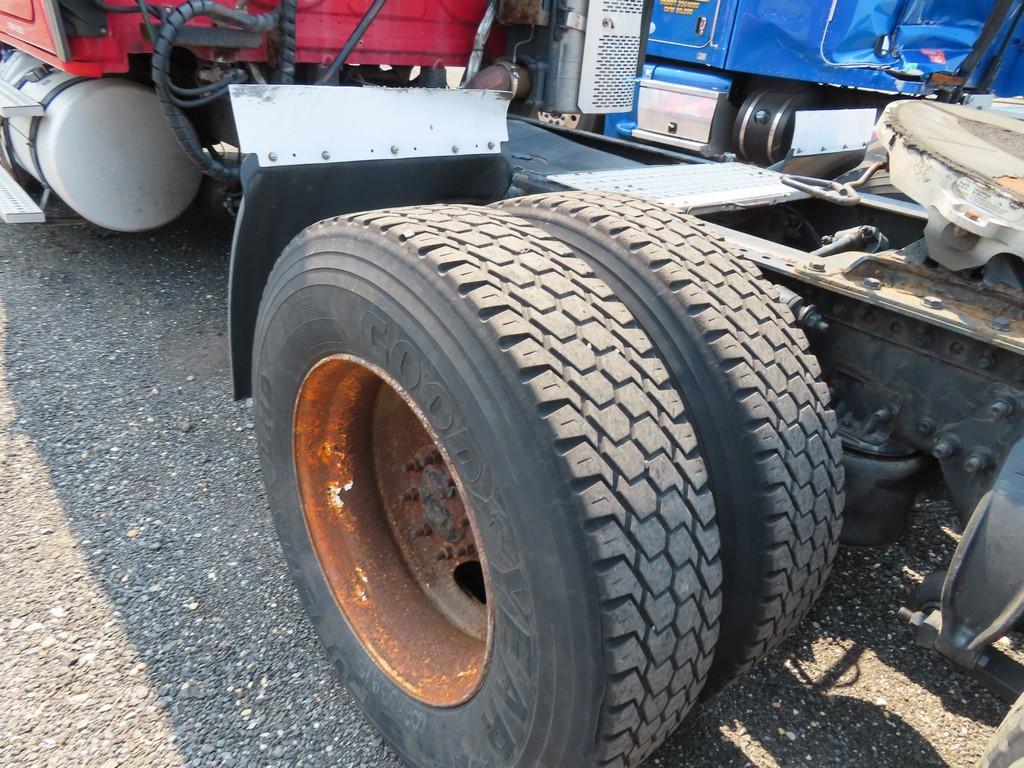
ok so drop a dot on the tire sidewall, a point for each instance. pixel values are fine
(323, 301)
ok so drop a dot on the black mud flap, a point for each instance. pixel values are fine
(280, 202)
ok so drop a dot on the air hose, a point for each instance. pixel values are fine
(286, 68)
(170, 94)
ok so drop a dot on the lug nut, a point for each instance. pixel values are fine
(409, 466)
(426, 459)
(976, 462)
(411, 495)
(926, 426)
(1003, 408)
(945, 447)
(443, 554)
(419, 531)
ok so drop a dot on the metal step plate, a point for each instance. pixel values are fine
(698, 188)
(16, 207)
(15, 103)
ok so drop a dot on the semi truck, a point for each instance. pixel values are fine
(734, 77)
(560, 433)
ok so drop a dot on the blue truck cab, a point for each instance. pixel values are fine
(729, 76)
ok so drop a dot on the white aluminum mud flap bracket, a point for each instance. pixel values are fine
(310, 124)
(827, 131)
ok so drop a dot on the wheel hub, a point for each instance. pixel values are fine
(394, 538)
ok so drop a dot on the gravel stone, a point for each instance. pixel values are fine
(180, 616)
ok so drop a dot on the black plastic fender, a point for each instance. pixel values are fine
(279, 202)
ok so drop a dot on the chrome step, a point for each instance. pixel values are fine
(16, 207)
(15, 103)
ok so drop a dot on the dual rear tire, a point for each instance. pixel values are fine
(500, 513)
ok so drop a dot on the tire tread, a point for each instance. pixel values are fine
(773, 379)
(598, 384)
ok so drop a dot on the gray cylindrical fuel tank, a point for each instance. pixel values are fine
(103, 145)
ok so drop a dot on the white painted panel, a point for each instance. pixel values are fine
(820, 131)
(307, 124)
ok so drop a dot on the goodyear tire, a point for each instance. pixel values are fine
(752, 391)
(558, 446)
(1006, 750)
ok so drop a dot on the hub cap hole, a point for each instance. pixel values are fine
(470, 577)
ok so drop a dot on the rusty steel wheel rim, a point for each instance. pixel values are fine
(395, 540)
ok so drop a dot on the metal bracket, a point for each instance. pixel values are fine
(983, 594)
(292, 125)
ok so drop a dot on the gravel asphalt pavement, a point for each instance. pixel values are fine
(146, 618)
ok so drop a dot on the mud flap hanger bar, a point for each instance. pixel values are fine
(983, 594)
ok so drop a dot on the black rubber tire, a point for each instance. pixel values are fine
(598, 525)
(752, 391)
(1006, 749)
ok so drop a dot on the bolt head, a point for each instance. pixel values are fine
(455, 149)
(932, 302)
(944, 448)
(926, 426)
(394, 149)
(325, 155)
(817, 266)
(272, 157)
(985, 362)
(1001, 408)
(872, 283)
(490, 145)
(975, 463)
(1000, 323)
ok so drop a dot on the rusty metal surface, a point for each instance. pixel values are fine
(389, 527)
(890, 279)
(528, 12)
